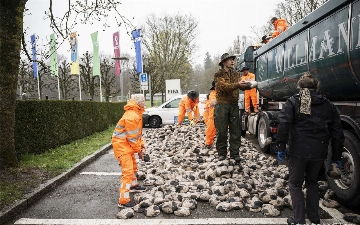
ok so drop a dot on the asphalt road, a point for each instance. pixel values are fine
(91, 195)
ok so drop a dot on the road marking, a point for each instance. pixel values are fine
(254, 221)
(101, 173)
(334, 213)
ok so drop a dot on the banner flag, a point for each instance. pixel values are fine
(137, 41)
(33, 48)
(74, 54)
(53, 56)
(96, 59)
(116, 40)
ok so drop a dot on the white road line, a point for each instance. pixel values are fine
(254, 221)
(334, 213)
(101, 173)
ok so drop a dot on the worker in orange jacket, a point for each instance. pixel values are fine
(206, 109)
(189, 104)
(249, 94)
(210, 125)
(126, 141)
(280, 25)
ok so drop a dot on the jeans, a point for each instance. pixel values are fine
(308, 170)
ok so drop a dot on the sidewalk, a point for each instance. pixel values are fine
(11, 211)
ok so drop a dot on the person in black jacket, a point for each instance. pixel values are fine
(307, 123)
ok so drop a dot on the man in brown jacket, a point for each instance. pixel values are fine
(226, 114)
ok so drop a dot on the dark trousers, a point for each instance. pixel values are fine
(300, 169)
(226, 117)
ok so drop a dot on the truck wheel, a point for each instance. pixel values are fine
(154, 121)
(347, 189)
(263, 133)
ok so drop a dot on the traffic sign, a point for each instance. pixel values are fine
(144, 82)
(143, 77)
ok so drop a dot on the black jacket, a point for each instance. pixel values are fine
(308, 136)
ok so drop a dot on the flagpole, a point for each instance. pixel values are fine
(100, 89)
(38, 84)
(58, 86)
(79, 87)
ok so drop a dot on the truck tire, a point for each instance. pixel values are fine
(263, 132)
(347, 189)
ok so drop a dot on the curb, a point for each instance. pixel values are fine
(13, 210)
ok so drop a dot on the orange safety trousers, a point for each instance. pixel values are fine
(250, 94)
(210, 130)
(128, 176)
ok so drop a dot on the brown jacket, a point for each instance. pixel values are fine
(227, 86)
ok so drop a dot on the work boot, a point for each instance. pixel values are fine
(256, 110)
(127, 205)
(237, 159)
(137, 188)
(221, 158)
(315, 222)
(247, 111)
(208, 146)
(333, 171)
(291, 221)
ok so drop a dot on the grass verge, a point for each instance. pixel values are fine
(34, 170)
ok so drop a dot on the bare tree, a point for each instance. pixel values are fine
(89, 82)
(239, 45)
(295, 10)
(68, 85)
(170, 43)
(291, 10)
(108, 78)
(27, 84)
(12, 37)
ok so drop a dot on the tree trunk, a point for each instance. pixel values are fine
(11, 30)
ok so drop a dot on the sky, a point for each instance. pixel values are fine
(220, 22)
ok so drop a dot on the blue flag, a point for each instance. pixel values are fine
(33, 48)
(137, 41)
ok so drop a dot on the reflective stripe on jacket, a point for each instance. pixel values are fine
(127, 136)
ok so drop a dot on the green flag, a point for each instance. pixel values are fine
(53, 56)
(96, 60)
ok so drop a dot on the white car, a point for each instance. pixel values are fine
(167, 113)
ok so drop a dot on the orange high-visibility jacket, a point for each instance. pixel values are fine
(280, 26)
(190, 106)
(127, 136)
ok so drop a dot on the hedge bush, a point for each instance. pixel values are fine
(42, 125)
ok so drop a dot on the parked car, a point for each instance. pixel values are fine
(167, 112)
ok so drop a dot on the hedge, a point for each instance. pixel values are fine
(42, 125)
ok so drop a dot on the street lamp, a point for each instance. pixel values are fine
(121, 77)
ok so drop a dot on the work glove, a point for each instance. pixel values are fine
(192, 122)
(141, 155)
(281, 152)
(194, 109)
(281, 155)
(146, 158)
(339, 164)
(334, 170)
